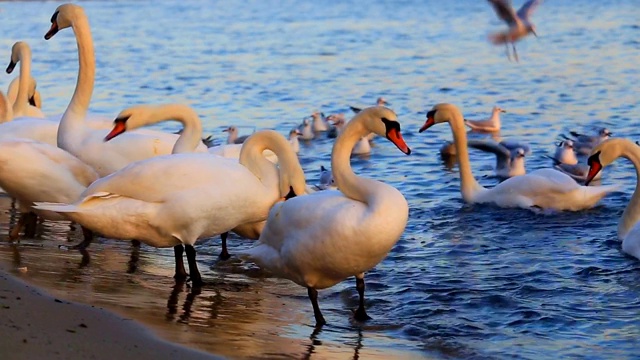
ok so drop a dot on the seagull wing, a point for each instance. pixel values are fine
(515, 145)
(503, 155)
(505, 11)
(527, 9)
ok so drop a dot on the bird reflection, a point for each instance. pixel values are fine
(132, 264)
(172, 302)
(311, 348)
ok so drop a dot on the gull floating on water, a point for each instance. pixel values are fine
(492, 124)
(380, 102)
(565, 160)
(519, 23)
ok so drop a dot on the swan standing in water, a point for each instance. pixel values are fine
(174, 200)
(367, 218)
(544, 188)
(492, 124)
(83, 141)
(604, 154)
(33, 172)
(20, 52)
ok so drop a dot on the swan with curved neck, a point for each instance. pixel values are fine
(174, 200)
(544, 188)
(188, 142)
(20, 52)
(84, 141)
(367, 216)
(604, 154)
(35, 98)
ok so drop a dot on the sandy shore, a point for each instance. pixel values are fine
(37, 326)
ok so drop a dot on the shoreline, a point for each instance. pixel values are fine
(36, 325)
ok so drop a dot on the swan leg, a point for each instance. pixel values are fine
(132, 264)
(224, 253)
(30, 224)
(15, 232)
(313, 296)
(181, 273)
(135, 243)
(194, 274)
(360, 314)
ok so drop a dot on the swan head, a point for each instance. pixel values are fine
(383, 122)
(604, 154)
(16, 51)
(440, 113)
(63, 18)
(131, 118)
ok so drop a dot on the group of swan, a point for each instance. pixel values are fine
(170, 190)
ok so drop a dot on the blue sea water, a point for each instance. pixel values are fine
(463, 281)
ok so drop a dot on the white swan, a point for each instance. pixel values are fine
(35, 99)
(544, 188)
(83, 141)
(492, 124)
(20, 52)
(367, 218)
(629, 226)
(34, 172)
(509, 162)
(174, 200)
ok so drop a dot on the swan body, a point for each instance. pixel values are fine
(367, 218)
(74, 135)
(33, 172)
(21, 52)
(509, 162)
(177, 199)
(604, 154)
(492, 124)
(544, 188)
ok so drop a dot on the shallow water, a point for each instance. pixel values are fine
(463, 281)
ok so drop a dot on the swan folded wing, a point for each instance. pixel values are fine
(82, 173)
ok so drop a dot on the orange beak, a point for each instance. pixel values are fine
(52, 31)
(594, 169)
(396, 137)
(119, 128)
(427, 124)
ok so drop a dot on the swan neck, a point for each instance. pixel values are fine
(346, 180)
(287, 175)
(469, 187)
(76, 112)
(631, 213)
(192, 126)
(22, 99)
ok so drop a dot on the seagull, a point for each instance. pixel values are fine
(584, 143)
(492, 124)
(518, 22)
(379, 102)
(565, 160)
(565, 154)
(509, 157)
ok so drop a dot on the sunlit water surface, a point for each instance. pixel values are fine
(463, 281)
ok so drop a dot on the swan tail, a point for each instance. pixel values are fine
(55, 207)
(264, 256)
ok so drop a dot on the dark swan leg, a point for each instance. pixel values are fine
(15, 232)
(194, 274)
(224, 254)
(181, 273)
(360, 314)
(30, 224)
(313, 296)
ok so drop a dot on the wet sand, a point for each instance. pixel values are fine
(35, 325)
